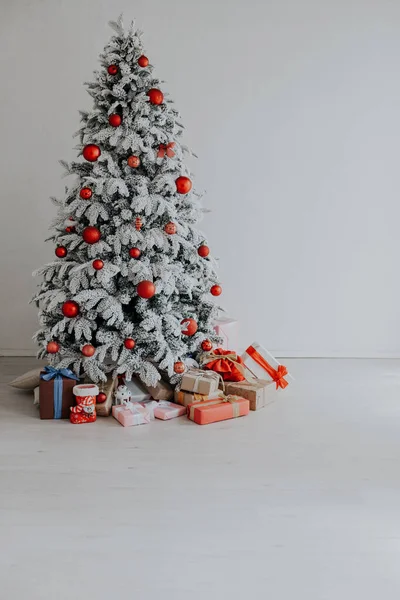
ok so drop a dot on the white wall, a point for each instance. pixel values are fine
(293, 107)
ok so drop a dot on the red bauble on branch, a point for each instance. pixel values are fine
(88, 350)
(179, 367)
(206, 345)
(129, 343)
(146, 289)
(155, 96)
(143, 61)
(133, 162)
(191, 326)
(113, 69)
(203, 251)
(183, 185)
(70, 309)
(115, 120)
(91, 152)
(134, 253)
(61, 252)
(52, 348)
(97, 264)
(216, 290)
(170, 228)
(101, 398)
(86, 193)
(70, 229)
(91, 235)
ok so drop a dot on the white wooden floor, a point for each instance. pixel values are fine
(299, 501)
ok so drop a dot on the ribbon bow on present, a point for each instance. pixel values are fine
(277, 375)
(57, 375)
(225, 362)
(166, 149)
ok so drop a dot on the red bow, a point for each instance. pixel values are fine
(277, 375)
(166, 149)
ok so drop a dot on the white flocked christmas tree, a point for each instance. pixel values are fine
(130, 291)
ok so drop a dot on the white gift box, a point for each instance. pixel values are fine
(228, 330)
(138, 391)
(262, 365)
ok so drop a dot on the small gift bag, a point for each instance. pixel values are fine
(262, 365)
(219, 409)
(55, 393)
(226, 363)
(200, 382)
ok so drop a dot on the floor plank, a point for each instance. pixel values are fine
(300, 500)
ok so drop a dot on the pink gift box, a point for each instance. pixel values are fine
(168, 410)
(228, 330)
(131, 413)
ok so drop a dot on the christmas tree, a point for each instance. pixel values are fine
(129, 291)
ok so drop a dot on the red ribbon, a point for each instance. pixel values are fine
(166, 149)
(276, 375)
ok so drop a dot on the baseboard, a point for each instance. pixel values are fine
(16, 352)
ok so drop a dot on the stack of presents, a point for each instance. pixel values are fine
(225, 386)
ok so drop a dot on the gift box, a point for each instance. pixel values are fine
(138, 390)
(161, 391)
(262, 365)
(257, 391)
(131, 413)
(186, 398)
(168, 410)
(200, 382)
(226, 363)
(228, 330)
(55, 393)
(219, 409)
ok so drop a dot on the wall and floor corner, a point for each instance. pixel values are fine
(292, 108)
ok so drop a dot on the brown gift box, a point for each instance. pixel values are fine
(200, 382)
(254, 390)
(186, 398)
(108, 388)
(46, 398)
(161, 391)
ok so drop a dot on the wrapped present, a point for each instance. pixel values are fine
(138, 390)
(150, 405)
(161, 391)
(224, 362)
(131, 413)
(228, 330)
(55, 393)
(262, 365)
(256, 391)
(168, 410)
(186, 398)
(200, 382)
(219, 409)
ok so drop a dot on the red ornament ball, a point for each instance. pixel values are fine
(91, 235)
(61, 252)
(191, 326)
(91, 152)
(203, 251)
(143, 61)
(97, 264)
(88, 350)
(155, 96)
(86, 193)
(216, 290)
(134, 253)
(179, 367)
(70, 229)
(52, 347)
(70, 309)
(129, 343)
(100, 398)
(170, 228)
(146, 289)
(115, 120)
(183, 185)
(206, 345)
(113, 69)
(133, 162)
